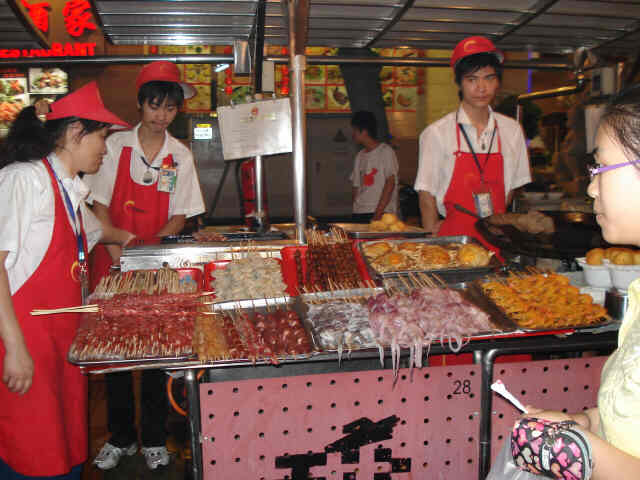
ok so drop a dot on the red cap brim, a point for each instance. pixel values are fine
(85, 103)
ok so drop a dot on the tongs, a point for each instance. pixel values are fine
(467, 211)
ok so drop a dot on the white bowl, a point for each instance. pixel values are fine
(595, 275)
(623, 275)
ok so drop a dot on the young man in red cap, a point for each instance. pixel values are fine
(147, 185)
(473, 157)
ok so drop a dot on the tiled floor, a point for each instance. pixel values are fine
(133, 468)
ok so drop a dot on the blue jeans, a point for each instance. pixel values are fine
(7, 473)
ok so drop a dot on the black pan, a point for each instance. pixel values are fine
(575, 234)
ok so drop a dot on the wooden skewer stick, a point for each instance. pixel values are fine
(79, 309)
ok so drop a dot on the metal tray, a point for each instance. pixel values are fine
(263, 305)
(475, 290)
(135, 361)
(361, 231)
(229, 236)
(575, 234)
(449, 275)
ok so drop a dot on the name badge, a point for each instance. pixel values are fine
(167, 178)
(484, 205)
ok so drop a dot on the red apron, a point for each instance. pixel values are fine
(139, 209)
(44, 431)
(466, 180)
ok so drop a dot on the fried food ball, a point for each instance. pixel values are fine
(622, 257)
(389, 218)
(397, 227)
(376, 249)
(609, 252)
(435, 255)
(377, 226)
(595, 256)
(636, 257)
(392, 259)
(473, 255)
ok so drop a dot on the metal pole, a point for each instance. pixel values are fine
(298, 66)
(260, 213)
(193, 400)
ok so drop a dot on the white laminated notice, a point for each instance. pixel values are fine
(258, 128)
(203, 131)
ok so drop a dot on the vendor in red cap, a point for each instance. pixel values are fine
(47, 233)
(473, 157)
(147, 185)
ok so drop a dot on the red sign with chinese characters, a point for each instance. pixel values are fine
(60, 24)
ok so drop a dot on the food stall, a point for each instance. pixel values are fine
(271, 409)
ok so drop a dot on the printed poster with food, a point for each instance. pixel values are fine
(201, 102)
(337, 99)
(315, 97)
(13, 98)
(48, 80)
(315, 75)
(401, 86)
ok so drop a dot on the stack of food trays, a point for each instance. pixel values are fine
(541, 301)
(456, 259)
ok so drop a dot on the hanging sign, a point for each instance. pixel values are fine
(259, 128)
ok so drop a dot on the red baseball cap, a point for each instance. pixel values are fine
(163, 71)
(86, 103)
(473, 45)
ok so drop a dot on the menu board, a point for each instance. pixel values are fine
(258, 128)
(325, 91)
(13, 97)
(48, 81)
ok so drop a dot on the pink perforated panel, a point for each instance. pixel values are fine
(567, 384)
(247, 424)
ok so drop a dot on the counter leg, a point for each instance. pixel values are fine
(486, 407)
(193, 399)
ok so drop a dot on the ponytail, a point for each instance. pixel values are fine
(28, 139)
(31, 139)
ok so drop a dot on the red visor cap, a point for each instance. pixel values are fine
(473, 45)
(85, 103)
(163, 71)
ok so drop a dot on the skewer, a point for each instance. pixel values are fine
(93, 308)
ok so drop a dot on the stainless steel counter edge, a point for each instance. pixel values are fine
(182, 255)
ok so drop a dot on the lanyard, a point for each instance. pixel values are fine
(144, 160)
(475, 157)
(77, 229)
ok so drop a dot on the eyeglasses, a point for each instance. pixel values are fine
(597, 168)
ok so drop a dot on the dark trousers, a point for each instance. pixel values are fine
(121, 409)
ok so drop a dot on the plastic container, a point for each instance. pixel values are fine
(616, 303)
(192, 275)
(623, 275)
(595, 275)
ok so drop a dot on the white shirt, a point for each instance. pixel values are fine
(438, 143)
(370, 172)
(186, 200)
(27, 215)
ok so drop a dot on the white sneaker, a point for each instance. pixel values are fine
(110, 455)
(156, 456)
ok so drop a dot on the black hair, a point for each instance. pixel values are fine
(622, 117)
(157, 91)
(31, 139)
(473, 63)
(364, 120)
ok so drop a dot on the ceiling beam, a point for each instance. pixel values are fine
(396, 18)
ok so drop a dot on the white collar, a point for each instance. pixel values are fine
(464, 119)
(138, 148)
(76, 188)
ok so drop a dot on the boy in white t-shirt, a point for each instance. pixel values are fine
(375, 171)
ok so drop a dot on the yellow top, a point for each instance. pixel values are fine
(619, 395)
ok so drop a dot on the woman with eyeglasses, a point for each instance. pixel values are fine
(600, 443)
